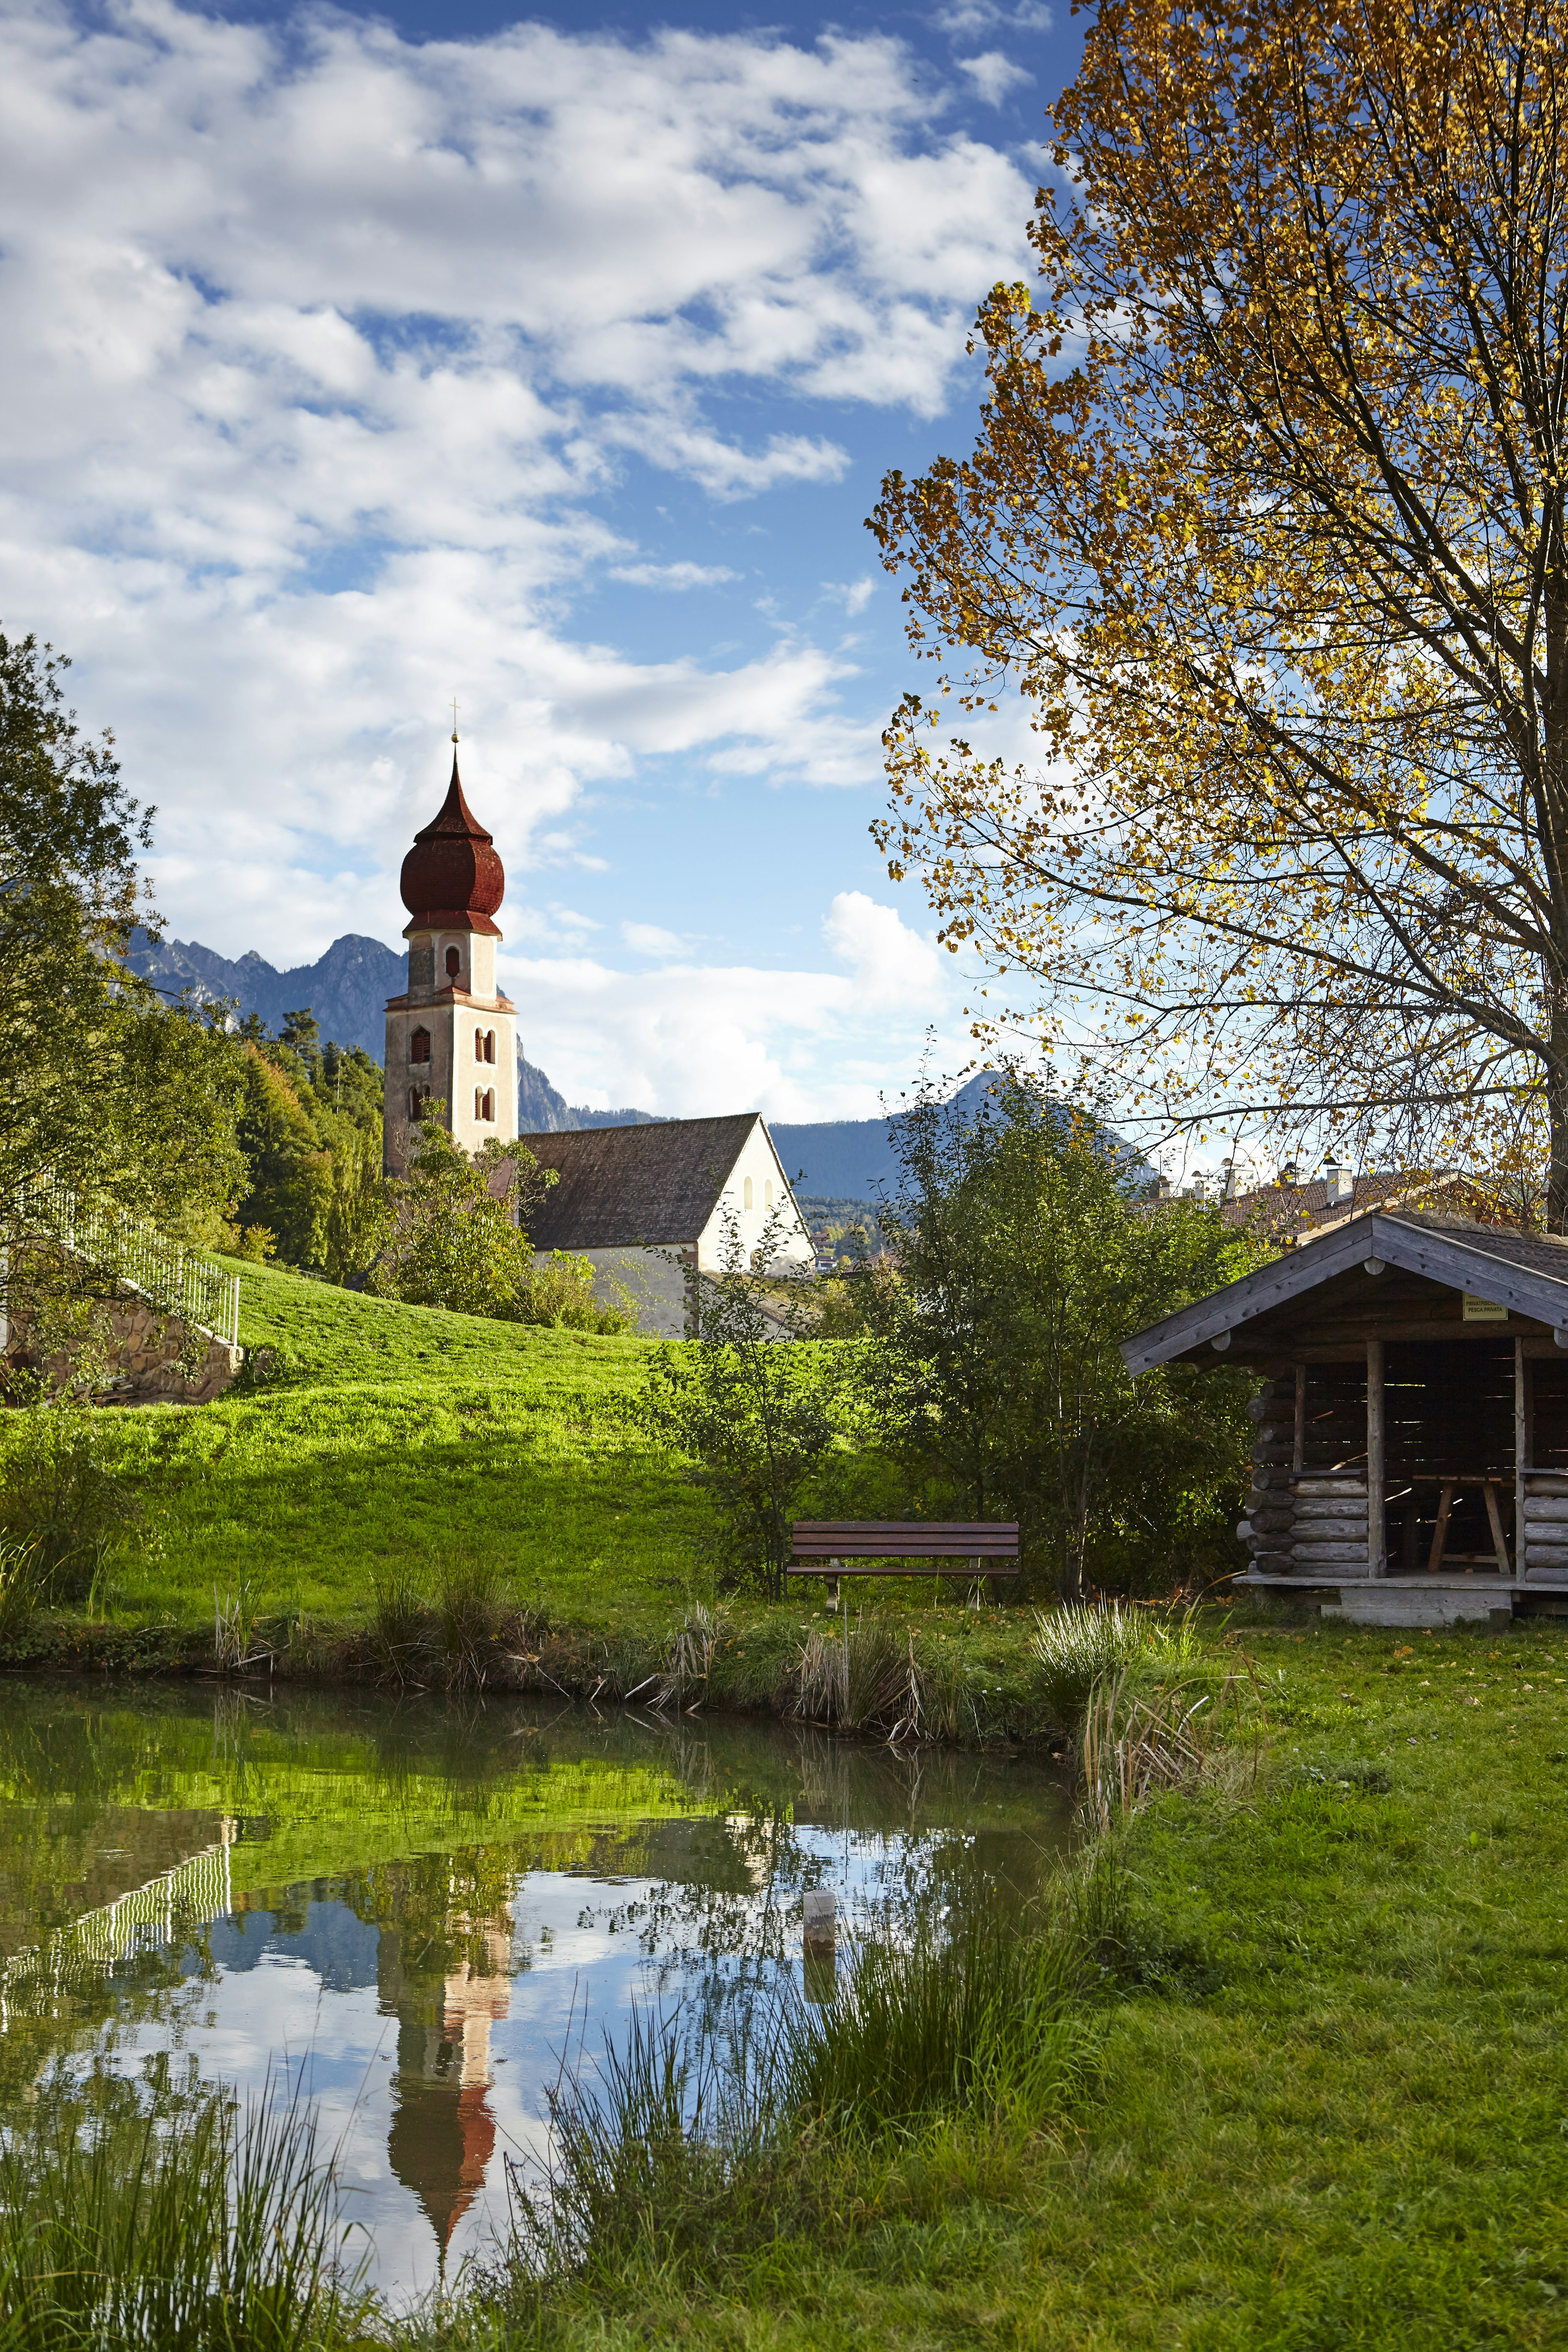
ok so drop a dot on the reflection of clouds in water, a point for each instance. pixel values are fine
(423, 2084)
(427, 1997)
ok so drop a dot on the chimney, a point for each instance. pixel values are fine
(1231, 1180)
(1340, 1183)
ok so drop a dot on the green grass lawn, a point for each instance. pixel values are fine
(1333, 2110)
(385, 1437)
(1333, 2104)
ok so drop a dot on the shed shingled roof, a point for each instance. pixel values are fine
(657, 1184)
(1526, 1272)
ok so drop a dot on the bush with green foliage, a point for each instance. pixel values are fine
(457, 1236)
(559, 1293)
(1023, 1257)
(752, 1405)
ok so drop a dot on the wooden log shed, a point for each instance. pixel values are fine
(1410, 1466)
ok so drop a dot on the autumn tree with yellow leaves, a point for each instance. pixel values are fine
(1266, 522)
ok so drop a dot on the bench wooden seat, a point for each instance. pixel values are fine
(904, 1548)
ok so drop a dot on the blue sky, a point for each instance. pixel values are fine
(358, 360)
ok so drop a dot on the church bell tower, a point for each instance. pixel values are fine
(451, 1038)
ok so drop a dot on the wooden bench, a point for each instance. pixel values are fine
(968, 1548)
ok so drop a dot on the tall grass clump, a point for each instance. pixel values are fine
(200, 2231)
(464, 1635)
(1080, 1643)
(1134, 1744)
(59, 1496)
(973, 2018)
(22, 1584)
(695, 2145)
(670, 2159)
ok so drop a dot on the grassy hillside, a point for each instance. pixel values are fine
(368, 1437)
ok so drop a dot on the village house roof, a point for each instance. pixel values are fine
(654, 1185)
(1527, 1274)
(1286, 1212)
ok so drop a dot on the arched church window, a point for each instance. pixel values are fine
(454, 962)
(479, 1044)
(419, 1045)
(416, 1102)
(746, 1194)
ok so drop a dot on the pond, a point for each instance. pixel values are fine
(420, 1906)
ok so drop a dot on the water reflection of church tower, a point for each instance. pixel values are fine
(443, 2134)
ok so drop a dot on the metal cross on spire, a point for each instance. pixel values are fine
(454, 718)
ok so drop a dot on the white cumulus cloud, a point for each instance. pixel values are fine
(891, 964)
(993, 74)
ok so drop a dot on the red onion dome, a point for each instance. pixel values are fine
(452, 879)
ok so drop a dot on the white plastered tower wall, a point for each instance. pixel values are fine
(453, 1038)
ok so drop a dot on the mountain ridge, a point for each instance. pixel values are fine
(347, 988)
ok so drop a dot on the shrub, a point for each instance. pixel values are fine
(560, 1293)
(753, 1406)
(60, 1498)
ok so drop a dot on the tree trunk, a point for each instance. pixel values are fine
(1557, 1106)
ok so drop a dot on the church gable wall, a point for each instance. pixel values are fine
(758, 1167)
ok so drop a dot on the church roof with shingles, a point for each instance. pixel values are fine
(657, 1184)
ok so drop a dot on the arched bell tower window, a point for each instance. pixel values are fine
(419, 1045)
(417, 1098)
(454, 962)
(490, 1045)
(485, 1104)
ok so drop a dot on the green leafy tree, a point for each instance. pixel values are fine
(116, 1106)
(995, 1371)
(359, 1213)
(458, 1235)
(290, 1172)
(749, 1401)
(109, 1094)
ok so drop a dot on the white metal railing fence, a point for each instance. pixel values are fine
(137, 1254)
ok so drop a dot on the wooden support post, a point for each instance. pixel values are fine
(1494, 1520)
(1520, 1451)
(1299, 1447)
(1440, 1532)
(1376, 1561)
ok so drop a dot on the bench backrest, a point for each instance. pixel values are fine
(905, 1539)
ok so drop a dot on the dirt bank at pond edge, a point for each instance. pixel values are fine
(967, 1684)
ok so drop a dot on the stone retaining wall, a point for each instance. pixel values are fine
(145, 1356)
